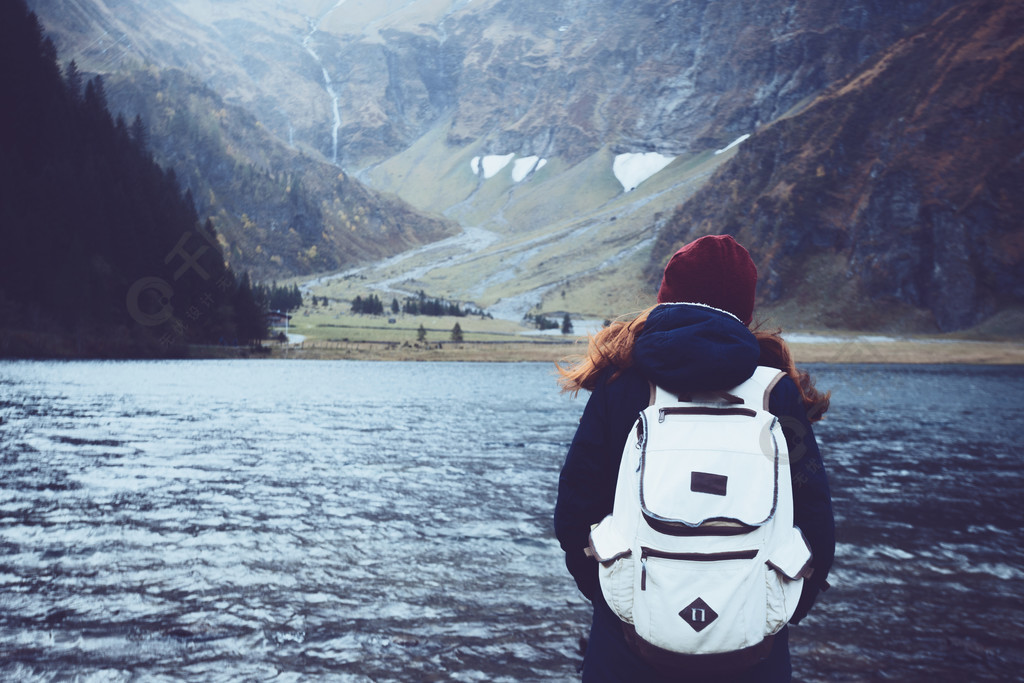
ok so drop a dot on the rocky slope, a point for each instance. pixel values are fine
(895, 195)
(278, 210)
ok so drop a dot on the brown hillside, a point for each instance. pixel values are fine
(897, 192)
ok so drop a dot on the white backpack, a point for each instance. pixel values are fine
(700, 558)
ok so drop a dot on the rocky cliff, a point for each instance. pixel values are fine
(896, 194)
(566, 78)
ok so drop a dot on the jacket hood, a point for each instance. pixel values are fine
(691, 347)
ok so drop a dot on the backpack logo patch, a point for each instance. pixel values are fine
(698, 614)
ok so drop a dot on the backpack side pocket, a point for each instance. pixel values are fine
(616, 568)
(785, 570)
(617, 579)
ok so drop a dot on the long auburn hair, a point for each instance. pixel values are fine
(612, 347)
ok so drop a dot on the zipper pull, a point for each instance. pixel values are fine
(643, 571)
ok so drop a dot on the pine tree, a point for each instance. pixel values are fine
(566, 325)
(457, 333)
(140, 136)
(251, 323)
(73, 79)
(421, 334)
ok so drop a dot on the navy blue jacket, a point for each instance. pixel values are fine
(683, 348)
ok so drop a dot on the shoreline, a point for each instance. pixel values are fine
(806, 348)
(855, 350)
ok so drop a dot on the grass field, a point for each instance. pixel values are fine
(335, 333)
(336, 323)
(565, 351)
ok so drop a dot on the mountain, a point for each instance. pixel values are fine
(894, 198)
(567, 139)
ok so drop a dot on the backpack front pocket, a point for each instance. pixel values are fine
(695, 471)
(701, 603)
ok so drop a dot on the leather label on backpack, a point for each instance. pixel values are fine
(703, 482)
(698, 614)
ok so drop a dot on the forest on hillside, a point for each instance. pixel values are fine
(101, 253)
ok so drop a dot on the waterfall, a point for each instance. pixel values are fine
(314, 26)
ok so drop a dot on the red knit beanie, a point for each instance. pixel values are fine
(713, 270)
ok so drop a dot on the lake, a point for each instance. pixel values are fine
(373, 521)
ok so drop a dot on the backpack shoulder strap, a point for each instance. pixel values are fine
(661, 396)
(756, 390)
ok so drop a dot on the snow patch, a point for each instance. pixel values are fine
(525, 166)
(732, 144)
(633, 168)
(493, 163)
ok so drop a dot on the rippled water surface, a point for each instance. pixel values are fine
(263, 520)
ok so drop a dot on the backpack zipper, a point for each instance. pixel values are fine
(646, 552)
(641, 439)
(704, 410)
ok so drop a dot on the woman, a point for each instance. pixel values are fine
(697, 338)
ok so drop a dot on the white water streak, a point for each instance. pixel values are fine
(328, 84)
